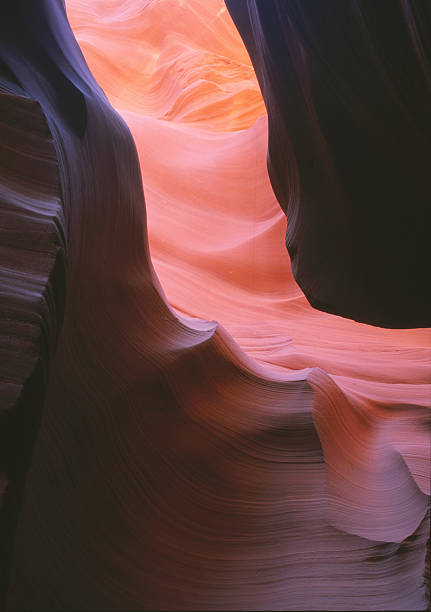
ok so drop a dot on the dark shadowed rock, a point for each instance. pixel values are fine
(347, 89)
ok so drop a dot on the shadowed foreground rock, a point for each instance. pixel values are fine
(31, 288)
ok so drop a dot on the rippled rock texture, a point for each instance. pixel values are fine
(278, 460)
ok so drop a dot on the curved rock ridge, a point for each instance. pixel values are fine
(347, 89)
(173, 469)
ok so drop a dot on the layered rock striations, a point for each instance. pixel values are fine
(174, 467)
(32, 286)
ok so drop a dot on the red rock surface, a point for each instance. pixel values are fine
(278, 460)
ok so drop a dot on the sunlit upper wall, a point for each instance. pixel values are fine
(178, 60)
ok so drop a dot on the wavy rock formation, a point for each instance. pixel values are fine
(176, 468)
(347, 86)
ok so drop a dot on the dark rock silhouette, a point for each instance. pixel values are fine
(347, 90)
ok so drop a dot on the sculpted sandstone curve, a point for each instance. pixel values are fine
(275, 460)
